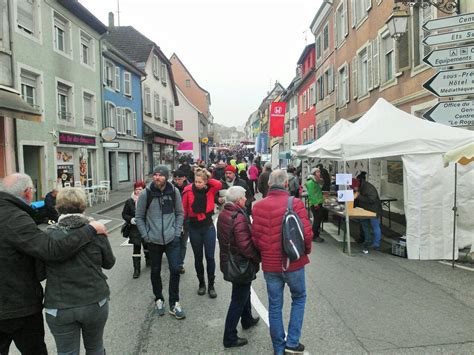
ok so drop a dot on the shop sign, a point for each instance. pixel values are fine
(452, 113)
(108, 134)
(111, 145)
(161, 140)
(76, 139)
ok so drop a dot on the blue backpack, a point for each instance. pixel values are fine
(292, 235)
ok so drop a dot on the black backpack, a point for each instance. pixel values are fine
(292, 235)
(150, 197)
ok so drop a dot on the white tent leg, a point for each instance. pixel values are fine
(455, 208)
(348, 229)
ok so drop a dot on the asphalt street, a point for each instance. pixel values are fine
(374, 303)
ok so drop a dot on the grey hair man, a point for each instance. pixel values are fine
(235, 194)
(22, 242)
(263, 179)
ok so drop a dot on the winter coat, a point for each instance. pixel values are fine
(241, 245)
(77, 281)
(253, 173)
(266, 230)
(218, 173)
(128, 213)
(213, 186)
(22, 243)
(263, 183)
(315, 195)
(369, 198)
(248, 194)
(50, 206)
(163, 221)
(327, 180)
(293, 185)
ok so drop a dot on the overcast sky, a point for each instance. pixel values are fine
(235, 49)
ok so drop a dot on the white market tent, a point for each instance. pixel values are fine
(339, 128)
(386, 131)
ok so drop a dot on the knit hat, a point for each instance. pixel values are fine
(179, 173)
(139, 184)
(230, 168)
(355, 183)
(162, 170)
(313, 171)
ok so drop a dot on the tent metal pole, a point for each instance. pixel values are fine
(348, 229)
(455, 208)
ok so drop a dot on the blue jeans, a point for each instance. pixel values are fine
(68, 324)
(275, 289)
(240, 308)
(173, 254)
(204, 239)
(375, 223)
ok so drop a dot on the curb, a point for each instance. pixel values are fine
(111, 207)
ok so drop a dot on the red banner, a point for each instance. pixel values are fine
(277, 119)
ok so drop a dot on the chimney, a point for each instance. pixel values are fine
(111, 20)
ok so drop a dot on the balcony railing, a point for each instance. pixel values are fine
(65, 116)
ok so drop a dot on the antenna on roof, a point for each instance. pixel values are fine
(118, 12)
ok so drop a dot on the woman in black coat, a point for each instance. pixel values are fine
(128, 214)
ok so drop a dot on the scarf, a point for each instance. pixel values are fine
(134, 198)
(200, 200)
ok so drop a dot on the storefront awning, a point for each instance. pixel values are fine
(151, 128)
(12, 105)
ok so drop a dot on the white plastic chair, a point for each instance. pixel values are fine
(106, 183)
(101, 193)
(77, 184)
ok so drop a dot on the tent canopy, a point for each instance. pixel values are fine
(462, 155)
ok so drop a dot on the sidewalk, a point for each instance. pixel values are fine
(116, 198)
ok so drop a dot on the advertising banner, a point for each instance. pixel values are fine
(277, 119)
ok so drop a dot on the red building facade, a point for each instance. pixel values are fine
(306, 96)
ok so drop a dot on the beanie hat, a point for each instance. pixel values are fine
(139, 184)
(162, 170)
(313, 171)
(179, 173)
(355, 183)
(230, 168)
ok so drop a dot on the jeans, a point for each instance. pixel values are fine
(204, 239)
(184, 244)
(66, 328)
(275, 289)
(26, 332)
(318, 215)
(375, 223)
(240, 308)
(173, 255)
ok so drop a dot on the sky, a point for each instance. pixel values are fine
(236, 50)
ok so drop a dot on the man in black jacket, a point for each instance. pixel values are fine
(180, 182)
(21, 294)
(50, 205)
(231, 179)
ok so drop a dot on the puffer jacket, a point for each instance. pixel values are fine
(266, 230)
(78, 281)
(213, 186)
(242, 245)
(22, 243)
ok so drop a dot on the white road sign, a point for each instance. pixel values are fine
(450, 21)
(451, 83)
(451, 37)
(452, 113)
(450, 56)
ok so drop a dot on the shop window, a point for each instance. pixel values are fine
(123, 167)
(87, 50)
(88, 101)
(65, 102)
(62, 35)
(65, 166)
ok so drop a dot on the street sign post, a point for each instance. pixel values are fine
(451, 83)
(451, 21)
(452, 113)
(451, 37)
(450, 56)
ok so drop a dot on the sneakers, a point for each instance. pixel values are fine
(202, 289)
(294, 350)
(365, 251)
(212, 292)
(160, 307)
(177, 311)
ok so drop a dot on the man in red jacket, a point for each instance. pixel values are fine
(266, 235)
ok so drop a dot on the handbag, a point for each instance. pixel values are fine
(125, 230)
(238, 270)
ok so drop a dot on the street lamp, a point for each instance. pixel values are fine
(446, 6)
(397, 23)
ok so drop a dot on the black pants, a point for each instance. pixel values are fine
(318, 214)
(240, 308)
(137, 248)
(27, 333)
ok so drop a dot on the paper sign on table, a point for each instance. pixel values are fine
(345, 195)
(343, 179)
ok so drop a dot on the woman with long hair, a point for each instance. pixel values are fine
(134, 237)
(198, 203)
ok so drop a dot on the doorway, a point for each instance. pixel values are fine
(33, 166)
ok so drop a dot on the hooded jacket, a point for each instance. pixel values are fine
(315, 195)
(163, 221)
(22, 243)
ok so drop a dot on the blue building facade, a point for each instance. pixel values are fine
(122, 111)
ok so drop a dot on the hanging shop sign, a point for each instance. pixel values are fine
(76, 139)
(452, 113)
(451, 83)
(277, 119)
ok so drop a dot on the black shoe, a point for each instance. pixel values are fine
(239, 342)
(212, 291)
(252, 323)
(318, 240)
(296, 350)
(181, 270)
(202, 289)
(136, 273)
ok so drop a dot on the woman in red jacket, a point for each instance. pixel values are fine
(233, 233)
(198, 203)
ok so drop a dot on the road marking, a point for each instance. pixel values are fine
(126, 244)
(104, 221)
(458, 266)
(259, 307)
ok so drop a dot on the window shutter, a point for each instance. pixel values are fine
(127, 83)
(119, 120)
(403, 53)
(25, 15)
(375, 62)
(346, 72)
(113, 117)
(104, 74)
(345, 18)
(336, 37)
(354, 81)
(117, 79)
(338, 89)
(370, 81)
(368, 4)
(134, 124)
(353, 13)
(330, 79)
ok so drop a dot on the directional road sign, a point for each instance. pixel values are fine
(450, 56)
(451, 21)
(452, 113)
(451, 37)
(451, 83)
